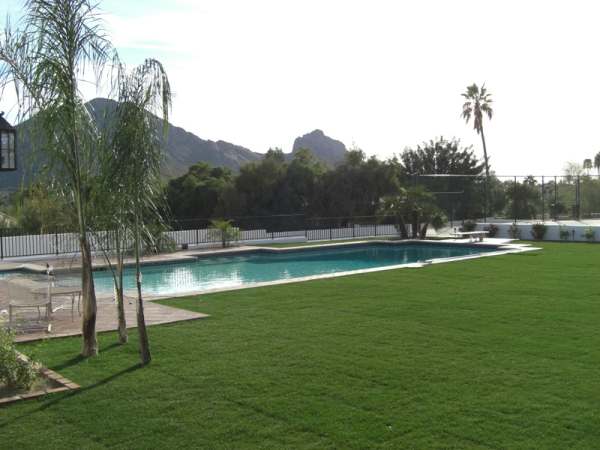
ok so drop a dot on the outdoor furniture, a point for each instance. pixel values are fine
(22, 302)
(472, 235)
(53, 292)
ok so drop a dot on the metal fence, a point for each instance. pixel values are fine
(16, 242)
(516, 198)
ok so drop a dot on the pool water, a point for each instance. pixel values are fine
(219, 272)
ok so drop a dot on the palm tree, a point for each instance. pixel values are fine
(597, 162)
(60, 41)
(478, 102)
(136, 158)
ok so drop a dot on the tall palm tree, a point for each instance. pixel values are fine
(61, 40)
(478, 102)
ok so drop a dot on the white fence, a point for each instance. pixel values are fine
(571, 232)
(68, 243)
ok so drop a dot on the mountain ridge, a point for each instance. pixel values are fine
(182, 149)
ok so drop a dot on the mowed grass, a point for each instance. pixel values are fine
(501, 352)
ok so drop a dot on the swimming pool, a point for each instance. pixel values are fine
(206, 273)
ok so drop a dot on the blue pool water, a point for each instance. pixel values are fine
(217, 272)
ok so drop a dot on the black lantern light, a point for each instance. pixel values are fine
(8, 142)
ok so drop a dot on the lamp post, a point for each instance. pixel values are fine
(8, 143)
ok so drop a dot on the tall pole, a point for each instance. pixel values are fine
(514, 199)
(543, 211)
(555, 199)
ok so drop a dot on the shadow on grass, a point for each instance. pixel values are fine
(57, 398)
(77, 359)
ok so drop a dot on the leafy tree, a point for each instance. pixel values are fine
(597, 162)
(60, 41)
(38, 209)
(523, 198)
(478, 102)
(355, 187)
(198, 193)
(459, 192)
(587, 165)
(572, 170)
(416, 206)
(135, 165)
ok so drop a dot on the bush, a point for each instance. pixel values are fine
(492, 230)
(589, 234)
(469, 225)
(223, 231)
(538, 231)
(15, 372)
(514, 232)
(563, 233)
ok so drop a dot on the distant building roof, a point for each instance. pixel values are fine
(4, 125)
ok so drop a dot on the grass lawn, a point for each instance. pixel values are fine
(502, 352)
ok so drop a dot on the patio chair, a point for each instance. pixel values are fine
(27, 311)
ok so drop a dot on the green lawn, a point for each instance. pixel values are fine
(502, 352)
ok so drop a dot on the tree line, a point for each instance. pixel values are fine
(355, 187)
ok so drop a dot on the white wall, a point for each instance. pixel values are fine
(576, 232)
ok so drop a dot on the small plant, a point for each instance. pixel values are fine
(492, 230)
(15, 371)
(514, 232)
(538, 231)
(589, 234)
(223, 231)
(469, 225)
(563, 233)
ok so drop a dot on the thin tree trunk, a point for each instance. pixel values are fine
(401, 227)
(423, 232)
(415, 224)
(487, 176)
(141, 322)
(120, 300)
(485, 155)
(90, 343)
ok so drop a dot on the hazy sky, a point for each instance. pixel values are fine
(382, 75)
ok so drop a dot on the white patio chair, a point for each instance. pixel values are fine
(23, 304)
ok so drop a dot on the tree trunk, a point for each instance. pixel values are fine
(485, 155)
(90, 343)
(415, 224)
(401, 227)
(141, 321)
(487, 175)
(423, 232)
(120, 300)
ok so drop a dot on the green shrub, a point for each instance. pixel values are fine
(223, 231)
(469, 225)
(514, 232)
(589, 234)
(15, 372)
(492, 230)
(563, 233)
(538, 231)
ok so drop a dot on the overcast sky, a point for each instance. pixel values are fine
(381, 75)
